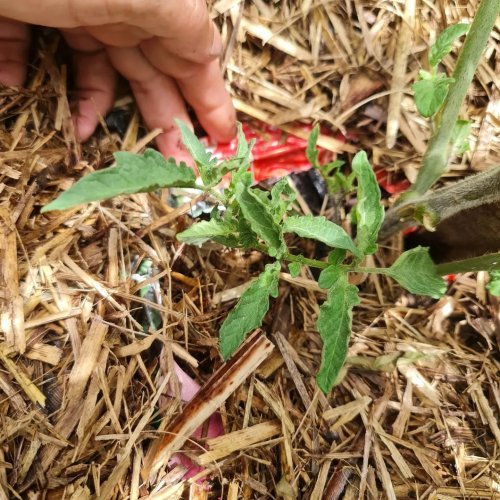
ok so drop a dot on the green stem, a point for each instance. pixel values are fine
(307, 262)
(371, 270)
(465, 195)
(490, 262)
(296, 258)
(439, 150)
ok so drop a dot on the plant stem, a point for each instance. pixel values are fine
(489, 262)
(467, 194)
(296, 258)
(439, 149)
(307, 262)
(371, 270)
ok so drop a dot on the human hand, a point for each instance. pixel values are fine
(167, 49)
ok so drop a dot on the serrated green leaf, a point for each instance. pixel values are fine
(204, 161)
(369, 210)
(328, 277)
(250, 310)
(430, 94)
(294, 268)
(133, 173)
(282, 196)
(320, 229)
(445, 41)
(243, 149)
(334, 326)
(336, 257)
(260, 218)
(196, 149)
(415, 271)
(215, 230)
(494, 284)
(459, 136)
(311, 150)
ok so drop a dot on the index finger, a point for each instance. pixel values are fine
(184, 26)
(202, 85)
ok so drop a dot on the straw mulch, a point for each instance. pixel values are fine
(82, 388)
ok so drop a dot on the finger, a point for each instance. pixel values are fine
(95, 82)
(203, 87)
(14, 46)
(157, 97)
(118, 35)
(185, 27)
(186, 23)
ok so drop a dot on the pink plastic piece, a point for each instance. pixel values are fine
(189, 388)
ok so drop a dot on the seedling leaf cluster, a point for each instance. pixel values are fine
(432, 86)
(252, 218)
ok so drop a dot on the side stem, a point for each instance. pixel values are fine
(438, 151)
(490, 262)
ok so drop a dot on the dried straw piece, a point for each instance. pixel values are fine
(242, 440)
(77, 382)
(216, 390)
(11, 302)
(485, 410)
(28, 387)
(403, 48)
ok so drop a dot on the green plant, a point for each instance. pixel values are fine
(336, 182)
(258, 219)
(441, 147)
(494, 284)
(432, 86)
(440, 98)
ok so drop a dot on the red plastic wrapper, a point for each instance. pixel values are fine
(275, 153)
(392, 185)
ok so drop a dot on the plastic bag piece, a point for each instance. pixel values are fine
(275, 153)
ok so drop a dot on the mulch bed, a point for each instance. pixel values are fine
(83, 389)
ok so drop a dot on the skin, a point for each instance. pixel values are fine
(167, 49)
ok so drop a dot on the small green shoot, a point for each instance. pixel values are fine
(430, 92)
(494, 284)
(432, 87)
(336, 182)
(461, 132)
(257, 219)
(444, 43)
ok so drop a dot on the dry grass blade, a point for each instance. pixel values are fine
(11, 303)
(403, 48)
(241, 440)
(211, 396)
